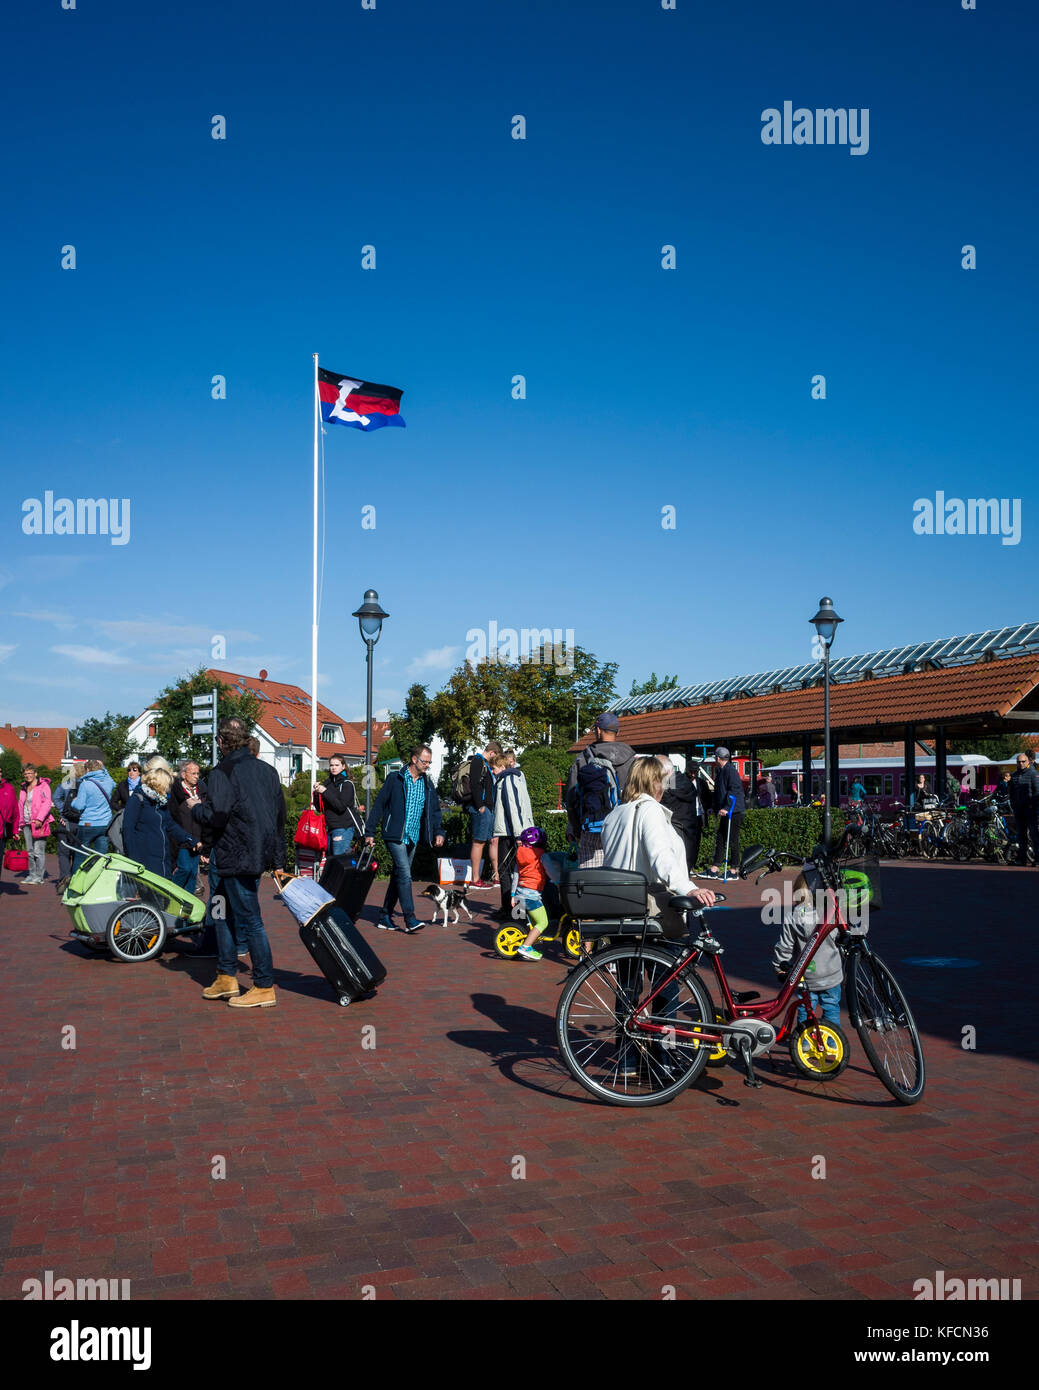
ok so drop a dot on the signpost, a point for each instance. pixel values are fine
(203, 719)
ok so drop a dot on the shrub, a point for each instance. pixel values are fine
(797, 829)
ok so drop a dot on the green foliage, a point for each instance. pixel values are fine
(11, 766)
(173, 730)
(109, 733)
(795, 828)
(544, 768)
(528, 702)
(415, 724)
(653, 684)
(388, 751)
(997, 749)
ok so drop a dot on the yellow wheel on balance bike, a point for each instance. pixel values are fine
(718, 1056)
(571, 936)
(508, 940)
(818, 1063)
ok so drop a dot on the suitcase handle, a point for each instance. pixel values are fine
(364, 858)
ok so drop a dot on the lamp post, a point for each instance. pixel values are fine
(369, 617)
(577, 723)
(825, 622)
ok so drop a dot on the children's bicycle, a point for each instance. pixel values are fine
(511, 937)
(636, 1024)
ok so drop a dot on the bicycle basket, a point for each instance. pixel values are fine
(860, 880)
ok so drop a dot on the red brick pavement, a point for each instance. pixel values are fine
(391, 1166)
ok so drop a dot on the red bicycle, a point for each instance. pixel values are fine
(636, 1023)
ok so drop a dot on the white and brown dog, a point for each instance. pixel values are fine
(447, 900)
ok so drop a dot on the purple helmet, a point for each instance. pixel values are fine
(534, 836)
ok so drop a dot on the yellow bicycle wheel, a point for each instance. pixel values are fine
(572, 943)
(508, 941)
(819, 1062)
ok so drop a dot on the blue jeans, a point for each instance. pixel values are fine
(243, 899)
(91, 837)
(214, 914)
(186, 872)
(402, 853)
(339, 842)
(828, 1003)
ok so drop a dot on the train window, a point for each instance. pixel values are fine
(888, 784)
(871, 782)
(816, 784)
(844, 786)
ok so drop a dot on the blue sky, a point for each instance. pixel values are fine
(646, 387)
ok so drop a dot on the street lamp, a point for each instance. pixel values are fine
(825, 622)
(369, 617)
(577, 723)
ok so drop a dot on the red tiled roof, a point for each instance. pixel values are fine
(45, 747)
(985, 689)
(291, 702)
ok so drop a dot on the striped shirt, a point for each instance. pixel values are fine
(414, 805)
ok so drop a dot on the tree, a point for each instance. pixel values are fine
(526, 702)
(648, 687)
(173, 730)
(109, 733)
(11, 766)
(415, 724)
(998, 748)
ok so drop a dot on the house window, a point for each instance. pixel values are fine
(331, 733)
(151, 730)
(285, 723)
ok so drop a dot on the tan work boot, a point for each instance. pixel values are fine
(223, 987)
(255, 998)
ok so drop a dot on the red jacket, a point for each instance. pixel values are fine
(530, 868)
(8, 807)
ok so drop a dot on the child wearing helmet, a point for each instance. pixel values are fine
(531, 881)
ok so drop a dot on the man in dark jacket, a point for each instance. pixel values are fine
(407, 809)
(1024, 798)
(337, 798)
(187, 790)
(681, 799)
(609, 748)
(245, 815)
(730, 807)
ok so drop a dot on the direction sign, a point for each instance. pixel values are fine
(201, 728)
(206, 700)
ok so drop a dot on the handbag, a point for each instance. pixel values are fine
(311, 831)
(17, 860)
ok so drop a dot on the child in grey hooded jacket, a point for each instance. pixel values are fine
(825, 973)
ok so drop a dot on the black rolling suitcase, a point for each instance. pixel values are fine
(347, 962)
(349, 885)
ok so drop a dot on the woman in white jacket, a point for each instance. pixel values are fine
(638, 835)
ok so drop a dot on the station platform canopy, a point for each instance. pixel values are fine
(982, 684)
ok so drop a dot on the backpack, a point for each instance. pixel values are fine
(462, 785)
(598, 791)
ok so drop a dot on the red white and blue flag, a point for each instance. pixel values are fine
(346, 400)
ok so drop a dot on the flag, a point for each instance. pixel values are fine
(346, 400)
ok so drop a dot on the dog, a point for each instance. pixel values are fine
(447, 900)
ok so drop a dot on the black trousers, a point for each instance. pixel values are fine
(1027, 825)
(506, 867)
(691, 835)
(724, 822)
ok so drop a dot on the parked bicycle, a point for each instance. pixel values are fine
(636, 1024)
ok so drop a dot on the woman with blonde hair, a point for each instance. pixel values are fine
(148, 827)
(638, 835)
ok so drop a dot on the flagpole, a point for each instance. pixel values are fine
(313, 650)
